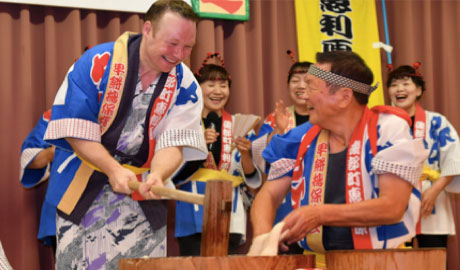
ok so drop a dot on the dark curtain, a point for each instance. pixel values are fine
(40, 43)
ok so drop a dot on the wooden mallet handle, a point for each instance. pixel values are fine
(177, 195)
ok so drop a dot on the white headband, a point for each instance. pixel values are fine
(336, 79)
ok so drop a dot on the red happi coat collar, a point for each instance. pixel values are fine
(226, 145)
(419, 122)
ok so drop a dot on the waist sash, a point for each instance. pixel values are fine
(204, 175)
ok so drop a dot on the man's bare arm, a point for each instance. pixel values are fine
(96, 154)
(42, 159)
(164, 163)
(388, 208)
(267, 201)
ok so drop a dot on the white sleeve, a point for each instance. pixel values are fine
(182, 124)
(448, 143)
(4, 264)
(449, 147)
(399, 153)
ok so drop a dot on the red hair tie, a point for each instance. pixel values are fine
(390, 67)
(221, 59)
(416, 66)
(210, 55)
(291, 55)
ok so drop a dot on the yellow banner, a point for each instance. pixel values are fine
(327, 25)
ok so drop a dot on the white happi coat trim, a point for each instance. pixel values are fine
(280, 168)
(73, 128)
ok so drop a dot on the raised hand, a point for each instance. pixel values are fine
(243, 145)
(281, 117)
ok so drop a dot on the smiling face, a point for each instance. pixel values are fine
(320, 102)
(167, 43)
(403, 94)
(297, 86)
(215, 96)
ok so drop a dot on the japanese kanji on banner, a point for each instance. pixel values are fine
(222, 9)
(328, 25)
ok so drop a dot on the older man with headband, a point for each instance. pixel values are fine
(353, 172)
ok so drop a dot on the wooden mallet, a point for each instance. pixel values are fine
(217, 203)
